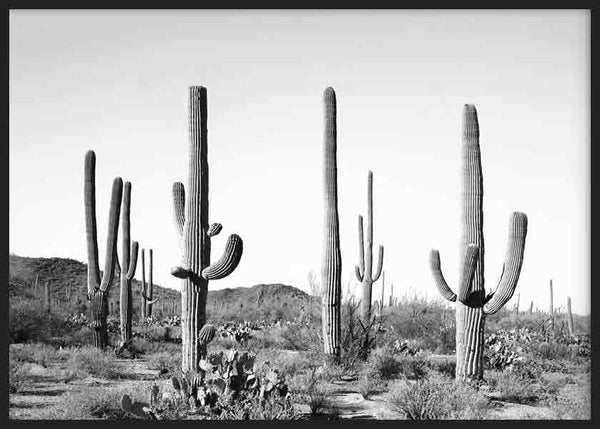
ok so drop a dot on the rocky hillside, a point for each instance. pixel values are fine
(59, 273)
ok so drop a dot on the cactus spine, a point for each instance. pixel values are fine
(194, 233)
(365, 268)
(331, 262)
(570, 317)
(129, 258)
(98, 286)
(472, 305)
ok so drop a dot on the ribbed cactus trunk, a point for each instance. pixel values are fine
(149, 290)
(331, 266)
(364, 271)
(472, 304)
(570, 317)
(98, 286)
(194, 233)
(129, 259)
(143, 288)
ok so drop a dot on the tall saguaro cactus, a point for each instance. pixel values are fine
(364, 271)
(382, 304)
(194, 233)
(129, 258)
(472, 304)
(570, 317)
(98, 286)
(331, 262)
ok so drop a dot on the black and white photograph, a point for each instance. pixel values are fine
(304, 214)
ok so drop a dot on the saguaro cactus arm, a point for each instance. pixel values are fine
(133, 260)
(379, 264)
(360, 268)
(214, 229)
(513, 261)
(179, 208)
(467, 272)
(228, 262)
(438, 276)
(148, 300)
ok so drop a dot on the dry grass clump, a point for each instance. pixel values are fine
(437, 398)
(94, 403)
(88, 360)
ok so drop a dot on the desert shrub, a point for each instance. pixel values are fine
(571, 402)
(29, 321)
(369, 384)
(38, 353)
(18, 377)
(514, 386)
(436, 398)
(91, 361)
(164, 362)
(90, 404)
(389, 362)
(446, 367)
(310, 388)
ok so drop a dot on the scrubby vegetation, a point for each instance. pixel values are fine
(404, 360)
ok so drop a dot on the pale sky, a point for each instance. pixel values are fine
(117, 82)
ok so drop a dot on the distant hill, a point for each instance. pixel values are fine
(60, 272)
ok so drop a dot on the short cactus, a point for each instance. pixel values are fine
(364, 270)
(148, 295)
(98, 287)
(472, 304)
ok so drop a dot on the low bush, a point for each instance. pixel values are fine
(91, 361)
(165, 362)
(436, 398)
(91, 404)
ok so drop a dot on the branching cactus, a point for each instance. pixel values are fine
(194, 234)
(129, 258)
(364, 271)
(331, 265)
(472, 304)
(98, 286)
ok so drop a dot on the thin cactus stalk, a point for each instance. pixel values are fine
(99, 286)
(148, 296)
(551, 309)
(382, 293)
(531, 308)
(47, 297)
(517, 305)
(35, 285)
(194, 236)
(472, 304)
(129, 258)
(391, 299)
(331, 262)
(143, 288)
(570, 317)
(364, 270)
